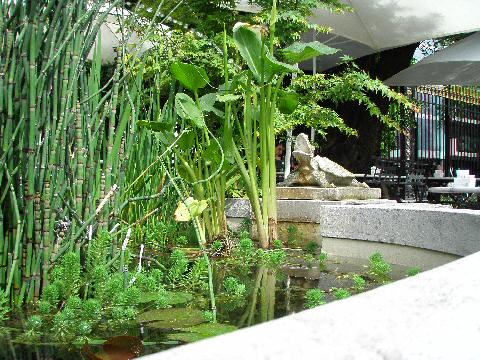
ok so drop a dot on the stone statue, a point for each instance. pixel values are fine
(318, 171)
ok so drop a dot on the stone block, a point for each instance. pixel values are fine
(335, 194)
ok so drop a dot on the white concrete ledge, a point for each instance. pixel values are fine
(432, 227)
(434, 315)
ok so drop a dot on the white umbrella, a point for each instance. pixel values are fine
(112, 38)
(458, 64)
(376, 25)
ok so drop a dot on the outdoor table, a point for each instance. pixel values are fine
(460, 195)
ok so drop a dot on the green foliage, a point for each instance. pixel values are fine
(4, 308)
(217, 246)
(413, 271)
(188, 109)
(197, 278)
(378, 269)
(34, 323)
(178, 266)
(208, 316)
(272, 259)
(314, 298)
(151, 281)
(341, 293)
(97, 251)
(322, 260)
(309, 258)
(68, 273)
(233, 287)
(292, 235)
(190, 76)
(161, 301)
(298, 52)
(353, 85)
(293, 16)
(255, 53)
(244, 250)
(359, 282)
(210, 16)
(246, 227)
(312, 247)
(277, 244)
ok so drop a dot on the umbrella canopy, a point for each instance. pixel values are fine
(376, 25)
(112, 37)
(458, 64)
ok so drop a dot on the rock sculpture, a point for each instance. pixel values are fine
(318, 171)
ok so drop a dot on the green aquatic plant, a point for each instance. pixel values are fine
(217, 246)
(341, 293)
(378, 268)
(196, 280)
(322, 260)
(68, 273)
(208, 316)
(233, 287)
(161, 301)
(314, 298)
(312, 247)
(178, 265)
(359, 282)
(245, 250)
(292, 235)
(310, 259)
(271, 259)
(4, 308)
(413, 271)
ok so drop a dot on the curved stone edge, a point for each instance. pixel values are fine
(334, 194)
(433, 315)
(425, 226)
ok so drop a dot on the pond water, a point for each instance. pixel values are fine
(267, 294)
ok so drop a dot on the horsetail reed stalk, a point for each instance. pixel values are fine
(61, 132)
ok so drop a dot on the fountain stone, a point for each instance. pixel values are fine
(319, 178)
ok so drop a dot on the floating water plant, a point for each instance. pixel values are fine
(341, 293)
(378, 268)
(314, 298)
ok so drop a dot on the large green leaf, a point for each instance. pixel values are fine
(207, 102)
(191, 76)
(189, 208)
(287, 102)
(171, 297)
(202, 331)
(187, 109)
(249, 43)
(171, 318)
(298, 52)
(213, 154)
(187, 140)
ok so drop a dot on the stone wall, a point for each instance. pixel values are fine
(432, 227)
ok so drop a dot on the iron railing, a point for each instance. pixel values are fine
(445, 131)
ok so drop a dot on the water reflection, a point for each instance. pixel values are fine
(263, 309)
(270, 293)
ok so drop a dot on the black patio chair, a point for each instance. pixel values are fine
(389, 177)
(416, 178)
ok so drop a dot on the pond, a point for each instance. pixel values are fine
(251, 296)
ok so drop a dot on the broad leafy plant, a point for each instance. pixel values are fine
(259, 94)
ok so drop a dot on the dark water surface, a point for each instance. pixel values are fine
(270, 294)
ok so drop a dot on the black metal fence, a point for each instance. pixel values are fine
(445, 131)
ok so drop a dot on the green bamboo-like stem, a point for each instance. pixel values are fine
(61, 131)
